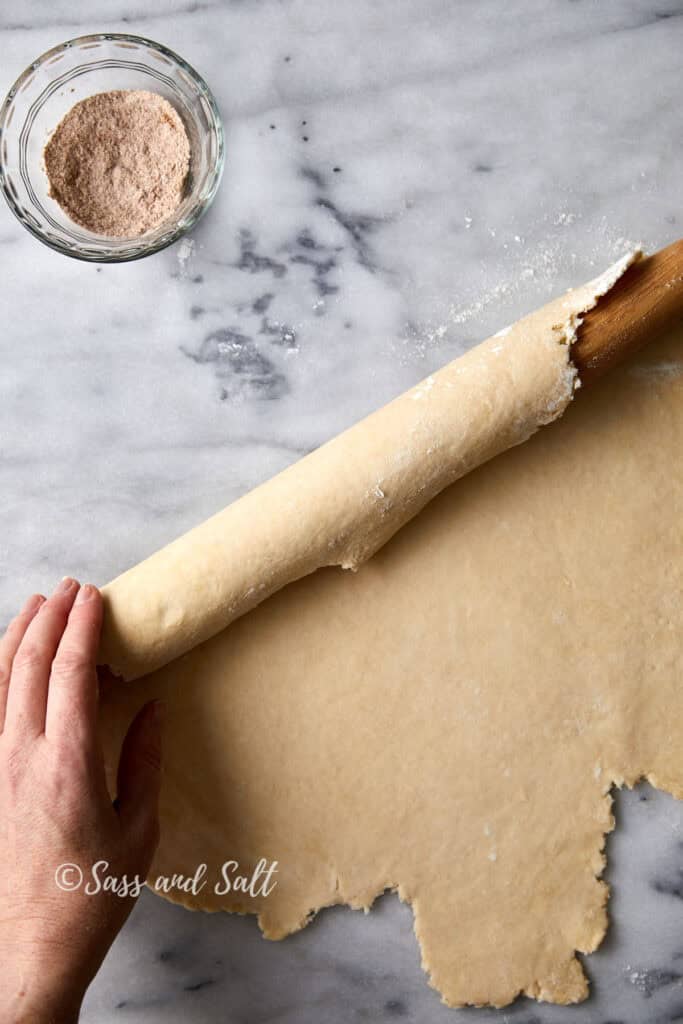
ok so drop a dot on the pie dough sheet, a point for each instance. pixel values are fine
(449, 720)
(340, 504)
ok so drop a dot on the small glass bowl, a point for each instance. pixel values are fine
(47, 90)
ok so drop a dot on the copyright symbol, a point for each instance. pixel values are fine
(68, 877)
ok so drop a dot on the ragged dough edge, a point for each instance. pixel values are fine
(340, 504)
(575, 985)
(571, 984)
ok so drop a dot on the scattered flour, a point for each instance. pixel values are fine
(547, 263)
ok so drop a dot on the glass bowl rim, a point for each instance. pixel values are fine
(139, 250)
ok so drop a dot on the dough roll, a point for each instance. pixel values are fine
(340, 504)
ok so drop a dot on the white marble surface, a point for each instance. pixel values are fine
(489, 154)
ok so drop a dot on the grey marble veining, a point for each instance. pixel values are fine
(403, 178)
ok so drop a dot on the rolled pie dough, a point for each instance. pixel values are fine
(449, 720)
(341, 503)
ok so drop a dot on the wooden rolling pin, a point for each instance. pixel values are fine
(645, 303)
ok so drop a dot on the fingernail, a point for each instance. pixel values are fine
(33, 604)
(65, 585)
(86, 593)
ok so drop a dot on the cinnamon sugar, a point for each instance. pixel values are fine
(118, 162)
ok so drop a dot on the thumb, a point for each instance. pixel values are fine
(139, 780)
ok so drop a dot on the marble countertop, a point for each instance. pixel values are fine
(403, 178)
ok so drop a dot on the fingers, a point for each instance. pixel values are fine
(72, 695)
(139, 781)
(9, 645)
(27, 696)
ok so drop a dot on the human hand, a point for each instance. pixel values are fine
(55, 808)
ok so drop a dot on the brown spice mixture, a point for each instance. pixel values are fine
(117, 163)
